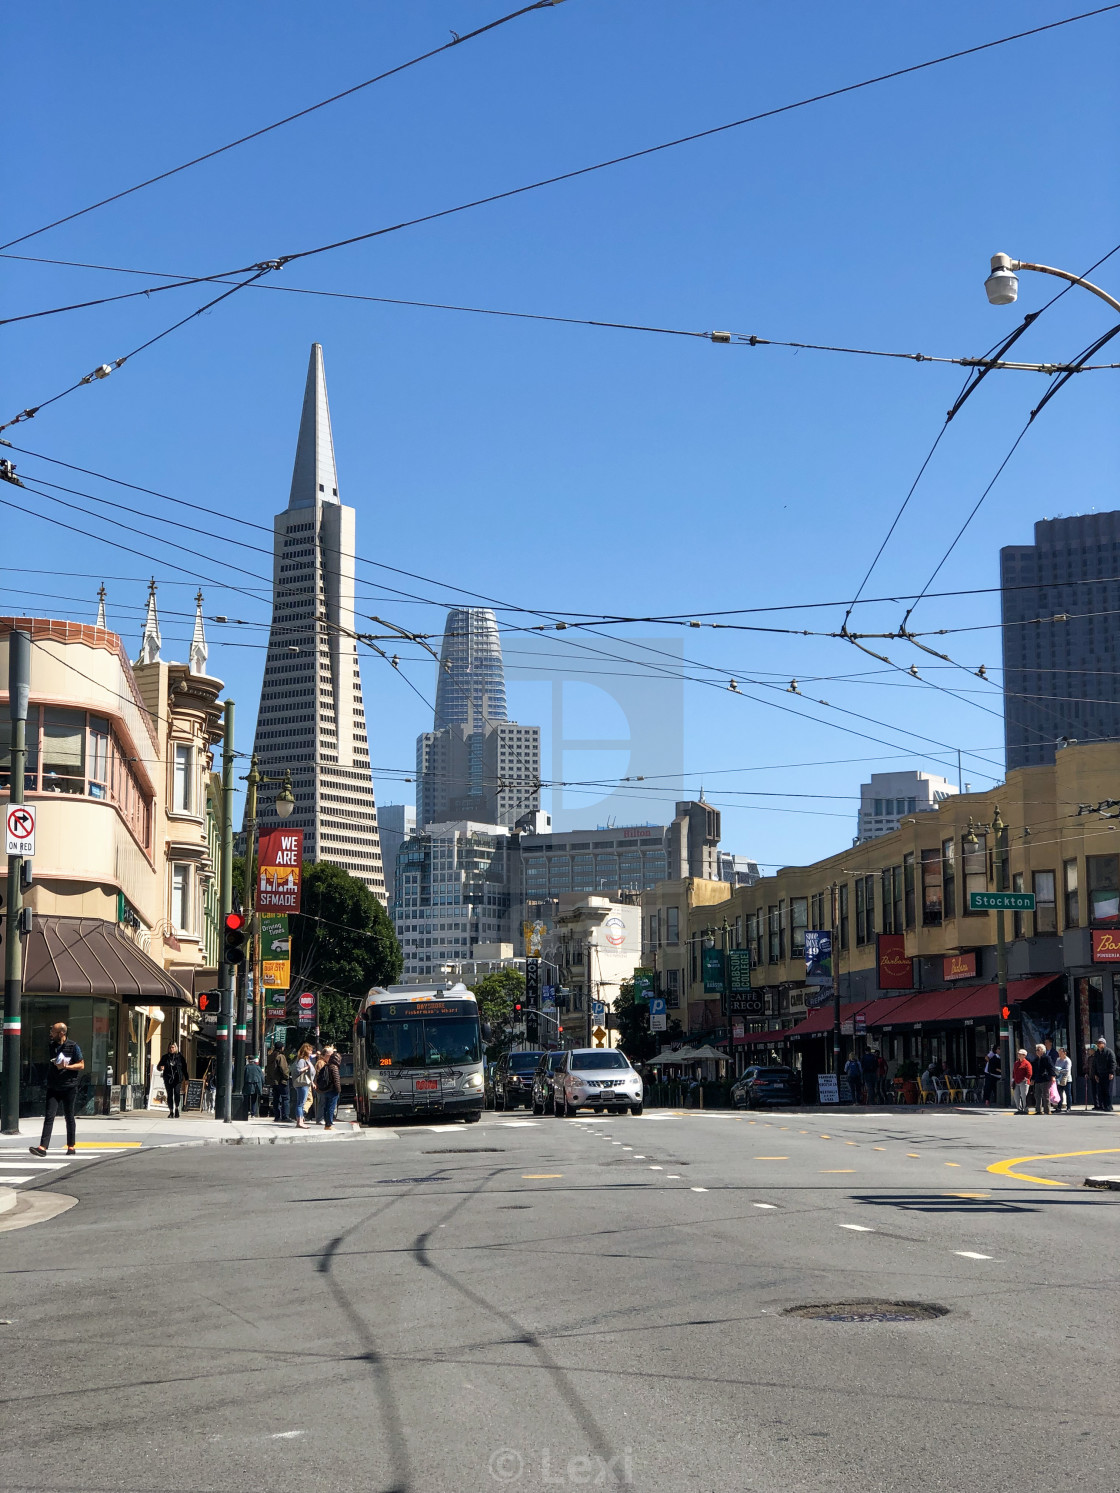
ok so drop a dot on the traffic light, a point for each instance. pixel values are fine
(1005, 1012)
(233, 951)
(517, 1008)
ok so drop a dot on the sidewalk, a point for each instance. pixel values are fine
(155, 1128)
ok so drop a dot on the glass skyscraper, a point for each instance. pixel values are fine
(471, 689)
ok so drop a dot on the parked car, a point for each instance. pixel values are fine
(759, 1086)
(597, 1078)
(544, 1087)
(513, 1079)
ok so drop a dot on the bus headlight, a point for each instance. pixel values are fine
(373, 1084)
(473, 1081)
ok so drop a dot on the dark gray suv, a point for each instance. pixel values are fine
(513, 1079)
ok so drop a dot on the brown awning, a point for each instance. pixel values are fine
(88, 956)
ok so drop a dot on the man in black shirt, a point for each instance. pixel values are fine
(174, 1070)
(64, 1068)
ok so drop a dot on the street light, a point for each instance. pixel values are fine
(971, 842)
(1002, 285)
(285, 799)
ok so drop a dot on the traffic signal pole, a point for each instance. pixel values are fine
(1002, 880)
(225, 971)
(19, 687)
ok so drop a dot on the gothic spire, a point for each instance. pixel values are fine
(199, 651)
(151, 641)
(314, 478)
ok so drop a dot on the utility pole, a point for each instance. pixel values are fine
(19, 687)
(590, 990)
(999, 830)
(252, 784)
(226, 971)
(835, 890)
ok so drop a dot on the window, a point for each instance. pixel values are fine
(931, 889)
(844, 917)
(948, 879)
(1045, 907)
(897, 893)
(99, 739)
(975, 862)
(774, 919)
(64, 751)
(181, 898)
(908, 887)
(816, 911)
(1069, 878)
(887, 901)
(798, 922)
(865, 909)
(672, 925)
(673, 988)
(182, 799)
(1017, 918)
(1104, 895)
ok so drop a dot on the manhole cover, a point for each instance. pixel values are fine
(463, 1150)
(868, 1311)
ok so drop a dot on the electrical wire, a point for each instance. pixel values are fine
(209, 155)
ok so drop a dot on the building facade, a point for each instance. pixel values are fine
(1060, 599)
(471, 688)
(452, 894)
(593, 944)
(395, 823)
(489, 772)
(890, 796)
(311, 720)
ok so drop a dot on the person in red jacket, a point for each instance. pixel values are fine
(1021, 1075)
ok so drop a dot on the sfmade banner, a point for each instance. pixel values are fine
(281, 869)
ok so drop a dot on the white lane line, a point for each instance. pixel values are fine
(698, 1189)
(11, 1180)
(286, 1435)
(970, 1254)
(505, 1125)
(672, 1176)
(764, 1205)
(37, 1166)
(657, 1168)
(857, 1228)
(616, 1143)
(626, 1148)
(637, 1157)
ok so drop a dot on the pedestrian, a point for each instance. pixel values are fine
(174, 1069)
(993, 1071)
(869, 1064)
(853, 1072)
(329, 1084)
(884, 1075)
(1042, 1076)
(65, 1066)
(1064, 1065)
(320, 1057)
(276, 1075)
(253, 1084)
(1102, 1070)
(1021, 1080)
(303, 1074)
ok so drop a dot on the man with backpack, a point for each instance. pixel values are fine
(276, 1075)
(174, 1070)
(853, 1072)
(328, 1082)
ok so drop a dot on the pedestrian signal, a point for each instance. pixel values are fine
(209, 1002)
(1005, 1012)
(234, 945)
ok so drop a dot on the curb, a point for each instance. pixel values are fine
(1103, 1184)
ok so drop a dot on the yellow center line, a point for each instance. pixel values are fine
(829, 1171)
(952, 1163)
(771, 1158)
(540, 1176)
(915, 1154)
(1004, 1168)
(109, 1145)
(878, 1148)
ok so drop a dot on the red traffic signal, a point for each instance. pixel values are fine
(517, 1007)
(234, 921)
(209, 1001)
(233, 950)
(1005, 1012)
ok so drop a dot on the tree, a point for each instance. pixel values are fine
(635, 1038)
(496, 994)
(342, 944)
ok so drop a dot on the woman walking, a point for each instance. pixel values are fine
(1021, 1080)
(303, 1071)
(1064, 1065)
(329, 1083)
(993, 1068)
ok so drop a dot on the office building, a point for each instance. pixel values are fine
(737, 870)
(395, 824)
(1061, 623)
(311, 719)
(452, 895)
(891, 796)
(471, 688)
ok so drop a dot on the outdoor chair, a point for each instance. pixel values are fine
(926, 1096)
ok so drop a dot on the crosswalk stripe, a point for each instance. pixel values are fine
(37, 1166)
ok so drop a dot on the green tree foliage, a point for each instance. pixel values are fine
(496, 994)
(342, 944)
(635, 1038)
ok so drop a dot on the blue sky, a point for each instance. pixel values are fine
(571, 469)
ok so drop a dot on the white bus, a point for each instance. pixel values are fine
(418, 1051)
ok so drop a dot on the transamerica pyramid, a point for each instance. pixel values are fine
(311, 718)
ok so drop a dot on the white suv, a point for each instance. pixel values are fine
(597, 1078)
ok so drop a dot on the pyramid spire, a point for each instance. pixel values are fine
(314, 478)
(199, 651)
(151, 641)
(100, 606)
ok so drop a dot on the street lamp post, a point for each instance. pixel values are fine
(1002, 285)
(285, 803)
(999, 831)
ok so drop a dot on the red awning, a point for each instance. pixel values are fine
(924, 1007)
(775, 1036)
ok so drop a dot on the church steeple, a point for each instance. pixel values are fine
(151, 642)
(199, 651)
(314, 477)
(100, 606)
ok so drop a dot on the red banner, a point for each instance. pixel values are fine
(1106, 946)
(895, 971)
(280, 870)
(958, 967)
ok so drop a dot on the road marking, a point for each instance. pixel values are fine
(967, 1194)
(857, 1228)
(38, 1166)
(540, 1176)
(1004, 1168)
(672, 1176)
(826, 1137)
(970, 1254)
(851, 1142)
(916, 1155)
(11, 1180)
(626, 1148)
(506, 1125)
(638, 1158)
(657, 1168)
(764, 1205)
(698, 1189)
(829, 1171)
(952, 1163)
(771, 1158)
(129, 1145)
(286, 1435)
(878, 1148)
(616, 1143)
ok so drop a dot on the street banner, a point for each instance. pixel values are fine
(958, 966)
(276, 966)
(738, 971)
(712, 969)
(532, 983)
(818, 956)
(276, 1004)
(548, 997)
(280, 870)
(643, 985)
(895, 969)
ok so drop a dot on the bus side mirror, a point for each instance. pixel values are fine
(487, 1032)
(362, 1030)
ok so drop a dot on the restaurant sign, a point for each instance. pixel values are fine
(895, 969)
(1106, 946)
(959, 966)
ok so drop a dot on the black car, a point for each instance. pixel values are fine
(544, 1095)
(513, 1079)
(759, 1086)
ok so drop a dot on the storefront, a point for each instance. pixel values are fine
(112, 997)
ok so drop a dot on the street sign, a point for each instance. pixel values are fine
(598, 1010)
(752, 1005)
(306, 1008)
(658, 1014)
(19, 826)
(600, 1036)
(1001, 901)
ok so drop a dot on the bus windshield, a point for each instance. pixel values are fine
(435, 1043)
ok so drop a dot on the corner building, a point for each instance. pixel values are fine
(311, 718)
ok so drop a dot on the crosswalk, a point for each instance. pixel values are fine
(17, 1165)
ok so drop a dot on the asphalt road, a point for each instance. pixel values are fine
(538, 1304)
